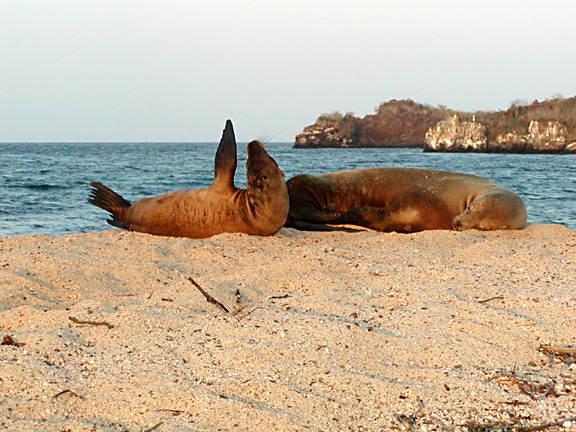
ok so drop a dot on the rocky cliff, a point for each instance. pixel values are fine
(540, 127)
(454, 134)
(330, 130)
(395, 124)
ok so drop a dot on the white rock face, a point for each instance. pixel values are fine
(570, 148)
(549, 136)
(541, 137)
(454, 134)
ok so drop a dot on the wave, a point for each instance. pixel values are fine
(42, 186)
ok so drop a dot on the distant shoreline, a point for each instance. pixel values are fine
(540, 127)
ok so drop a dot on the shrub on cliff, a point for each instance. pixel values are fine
(400, 123)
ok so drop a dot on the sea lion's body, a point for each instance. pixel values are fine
(403, 200)
(260, 209)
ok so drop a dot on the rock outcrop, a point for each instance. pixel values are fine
(333, 130)
(397, 123)
(541, 137)
(454, 134)
(540, 127)
(546, 137)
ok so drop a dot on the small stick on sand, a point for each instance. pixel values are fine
(566, 354)
(156, 426)
(514, 426)
(536, 392)
(94, 323)
(209, 298)
(240, 309)
(67, 391)
(547, 425)
(171, 411)
(274, 297)
(246, 314)
(491, 298)
(558, 350)
(410, 420)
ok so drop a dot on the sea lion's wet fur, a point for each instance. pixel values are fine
(260, 209)
(403, 200)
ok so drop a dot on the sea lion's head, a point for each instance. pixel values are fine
(262, 171)
(498, 209)
(265, 183)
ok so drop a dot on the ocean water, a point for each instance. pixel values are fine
(44, 186)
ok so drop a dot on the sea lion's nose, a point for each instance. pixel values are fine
(254, 146)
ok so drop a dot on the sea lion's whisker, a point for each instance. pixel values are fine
(267, 137)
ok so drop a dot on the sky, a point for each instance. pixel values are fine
(174, 71)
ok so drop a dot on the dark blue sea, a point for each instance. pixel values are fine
(44, 186)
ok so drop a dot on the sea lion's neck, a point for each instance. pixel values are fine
(268, 196)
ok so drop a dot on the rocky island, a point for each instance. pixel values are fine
(539, 127)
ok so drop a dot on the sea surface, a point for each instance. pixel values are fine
(44, 186)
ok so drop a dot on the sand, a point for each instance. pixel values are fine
(325, 331)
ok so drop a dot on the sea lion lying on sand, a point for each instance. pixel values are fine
(402, 200)
(260, 209)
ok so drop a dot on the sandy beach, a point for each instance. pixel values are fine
(365, 331)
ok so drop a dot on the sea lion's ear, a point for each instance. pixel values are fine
(225, 163)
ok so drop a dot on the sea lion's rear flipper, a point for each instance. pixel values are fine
(107, 199)
(225, 162)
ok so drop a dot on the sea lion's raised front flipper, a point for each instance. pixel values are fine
(225, 162)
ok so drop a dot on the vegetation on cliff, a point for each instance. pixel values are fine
(517, 118)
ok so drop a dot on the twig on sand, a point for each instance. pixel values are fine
(491, 298)
(558, 349)
(171, 411)
(209, 298)
(516, 425)
(275, 297)
(410, 420)
(507, 426)
(244, 315)
(530, 388)
(57, 395)
(566, 354)
(240, 309)
(156, 426)
(94, 323)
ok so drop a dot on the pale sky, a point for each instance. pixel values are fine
(168, 70)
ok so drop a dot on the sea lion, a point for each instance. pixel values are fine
(260, 209)
(403, 200)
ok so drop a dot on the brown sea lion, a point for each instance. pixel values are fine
(260, 209)
(402, 200)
